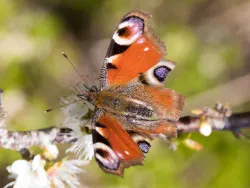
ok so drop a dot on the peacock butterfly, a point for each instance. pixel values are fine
(132, 105)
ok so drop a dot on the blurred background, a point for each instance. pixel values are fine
(209, 40)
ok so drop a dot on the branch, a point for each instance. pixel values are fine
(24, 139)
(234, 122)
(18, 140)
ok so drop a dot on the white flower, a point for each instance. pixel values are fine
(29, 174)
(65, 173)
(74, 112)
(50, 150)
(83, 147)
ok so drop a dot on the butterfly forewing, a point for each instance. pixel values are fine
(134, 49)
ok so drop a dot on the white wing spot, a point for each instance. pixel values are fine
(127, 153)
(140, 41)
(146, 49)
(111, 59)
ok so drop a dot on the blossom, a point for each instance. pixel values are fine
(32, 174)
(29, 174)
(74, 113)
(50, 150)
(65, 173)
(83, 147)
(74, 110)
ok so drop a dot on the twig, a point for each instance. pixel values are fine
(235, 121)
(19, 140)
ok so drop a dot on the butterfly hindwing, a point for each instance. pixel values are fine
(113, 146)
(141, 141)
(146, 102)
(134, 49)
(168, 104)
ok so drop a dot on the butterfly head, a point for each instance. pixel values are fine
(89, 95)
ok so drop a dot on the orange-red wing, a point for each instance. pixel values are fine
(166, 103)
(165, 128)
(114, 148)
(134, 49)
(133, 61)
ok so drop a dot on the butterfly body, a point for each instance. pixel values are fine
(132, 106)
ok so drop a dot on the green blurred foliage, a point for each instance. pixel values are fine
(204, 37)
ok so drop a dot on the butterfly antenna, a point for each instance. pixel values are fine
(67, 58)
(78, 73)
(62, 106)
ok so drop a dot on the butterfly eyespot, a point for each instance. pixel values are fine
(129, 31)
(102, 153)
(124, 32)
(105, 156)
(161, 73)
(157, 74)
(144, 146)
